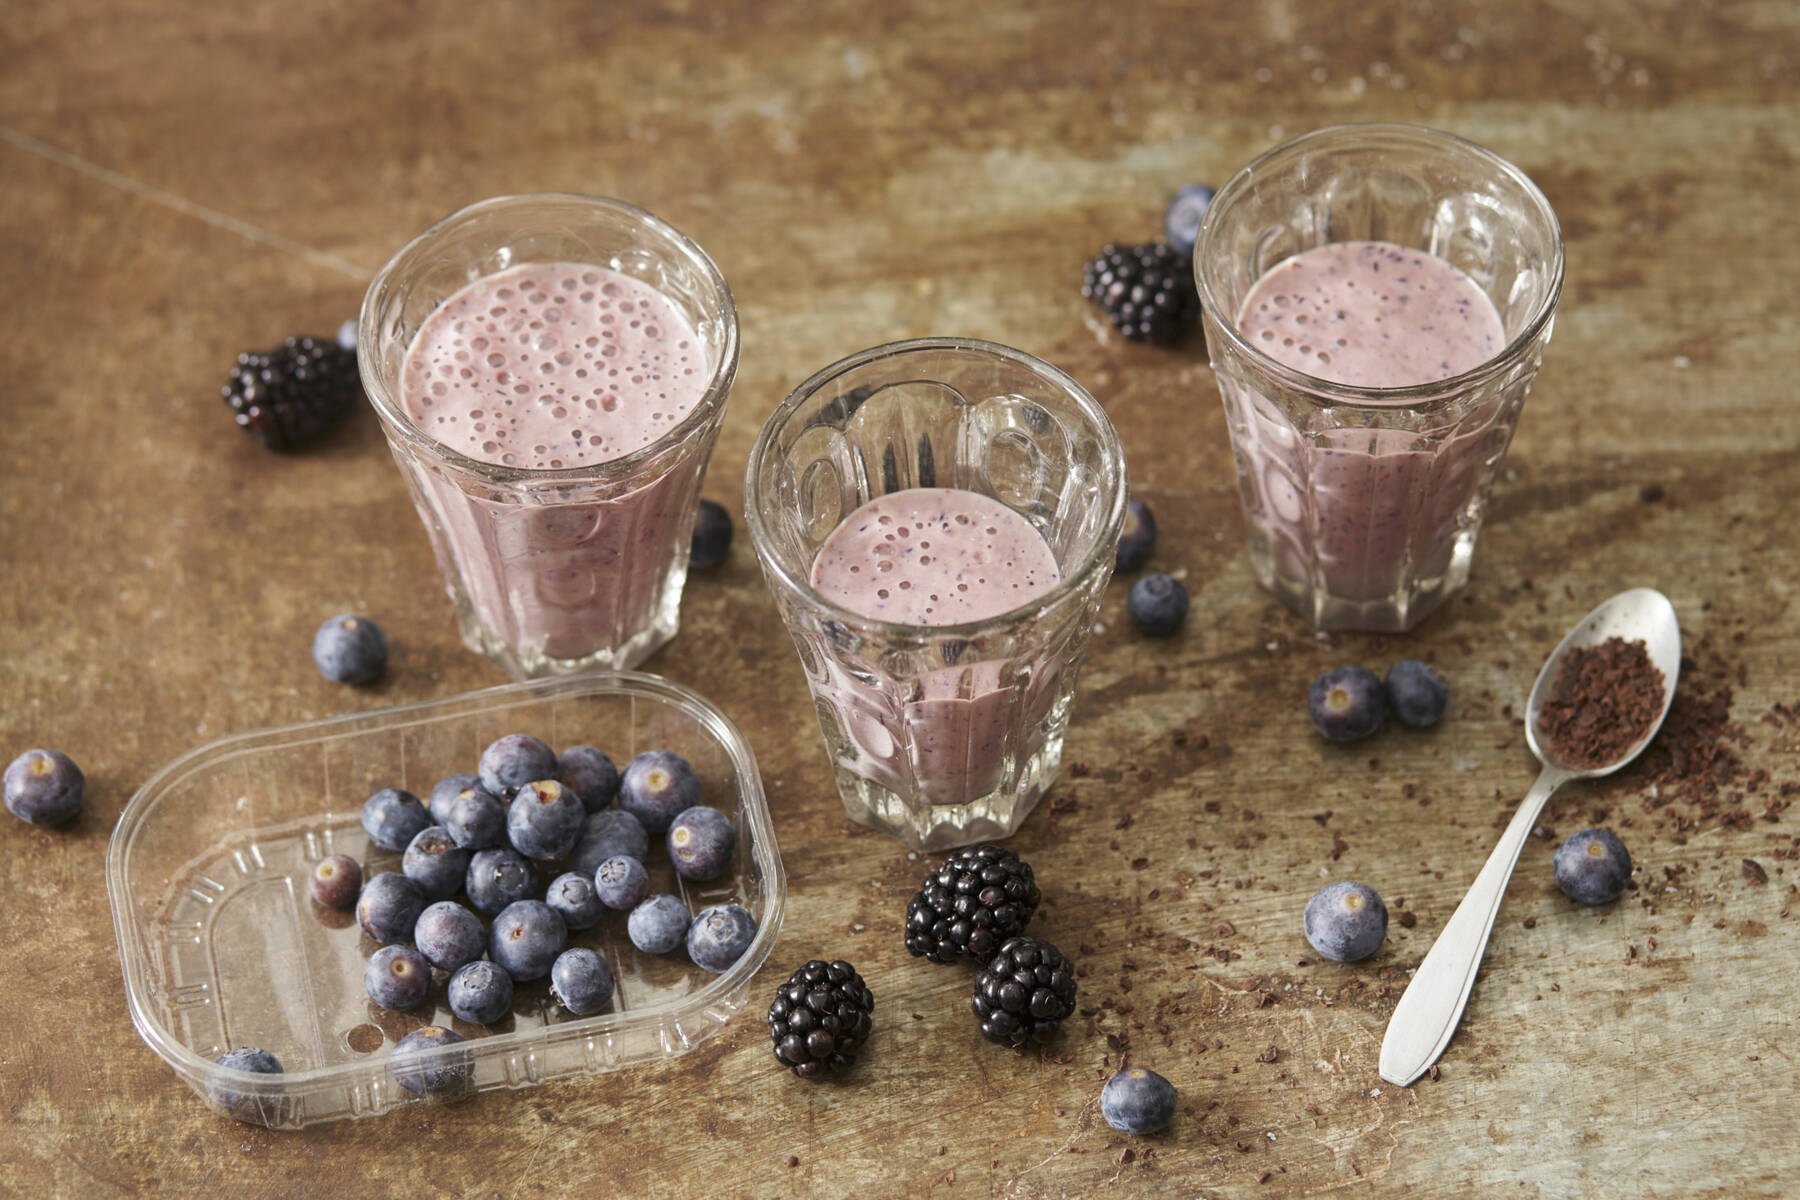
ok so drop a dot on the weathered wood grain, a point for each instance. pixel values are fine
(185, 180)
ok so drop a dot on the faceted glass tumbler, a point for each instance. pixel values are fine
(940, 735)
(557, 570)
(1363, 504)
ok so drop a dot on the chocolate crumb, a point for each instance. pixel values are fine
(1406, 918)
(1754, 872)
(1606, 696)
(1269, 1055)
(1531, 922)
(792, 1160)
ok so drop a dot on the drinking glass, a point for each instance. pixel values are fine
(1363, 504)
(553, 571)
(940, 735)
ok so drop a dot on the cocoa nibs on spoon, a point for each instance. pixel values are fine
(1605, 698)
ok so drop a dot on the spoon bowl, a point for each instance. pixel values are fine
(1641, 614)
(1433, 1002)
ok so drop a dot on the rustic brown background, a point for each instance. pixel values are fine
(184, 180)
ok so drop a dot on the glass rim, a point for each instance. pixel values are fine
(400, 427)
(1072, 580)
(1418, 395)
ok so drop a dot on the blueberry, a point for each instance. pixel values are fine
(659, 924)
(712, 535)
(479, 993)
(42, 787)
(581, 981)
(1347, 703)
(657, 787)
(1592, 867)
(397, 977)
(335, 881)
(250, 1107)
(1181, 221)
(1346, 921)
(544, 820)
(526, 938)
(1417, 694)
(719, 937)
(474, 820)
(700, 842)
(389, 907)
(511, 762)
(349, 649)
(610, 832)
(496, 879)
(621, 882)
(1157, 604)
(591, 775)
(444, 791)
(392, 818)
(1138, 538)
(445, 1076)
(573, 897)
(449, 935)
(1137, 1101)
(435, 863)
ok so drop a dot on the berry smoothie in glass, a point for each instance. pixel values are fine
(937, 521)
(1377, 300)
(551, 372)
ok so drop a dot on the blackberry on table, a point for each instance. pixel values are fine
(820, 1018)
(288, 396)
(1024, 993)
(968, 906)
(1146, 291)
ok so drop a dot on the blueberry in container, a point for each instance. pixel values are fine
(207, 875)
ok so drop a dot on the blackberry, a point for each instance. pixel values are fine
(288, 396)
(820, 1018)
(1024, 993)
(978, 898)
(1146, 291)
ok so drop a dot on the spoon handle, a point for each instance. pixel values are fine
(1433, 1003)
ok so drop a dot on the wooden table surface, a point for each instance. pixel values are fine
(185, 180)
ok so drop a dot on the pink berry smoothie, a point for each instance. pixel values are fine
(550, 366)
(933, 557)
(1376, 507)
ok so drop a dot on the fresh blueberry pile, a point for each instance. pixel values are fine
(483, 845)
(1347, 704)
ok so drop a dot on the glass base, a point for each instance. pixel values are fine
(528, 663)
(1398, 612)
(934, 827)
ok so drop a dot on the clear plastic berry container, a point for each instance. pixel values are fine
(223, 948)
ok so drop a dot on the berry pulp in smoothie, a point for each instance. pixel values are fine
(548, 367)
(1366, 513)
(935, 557)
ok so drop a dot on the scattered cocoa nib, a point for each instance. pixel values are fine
(1406, 918)
(1269, 1055)
(1531, 922)
(1606, 696)
(1753, 871)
